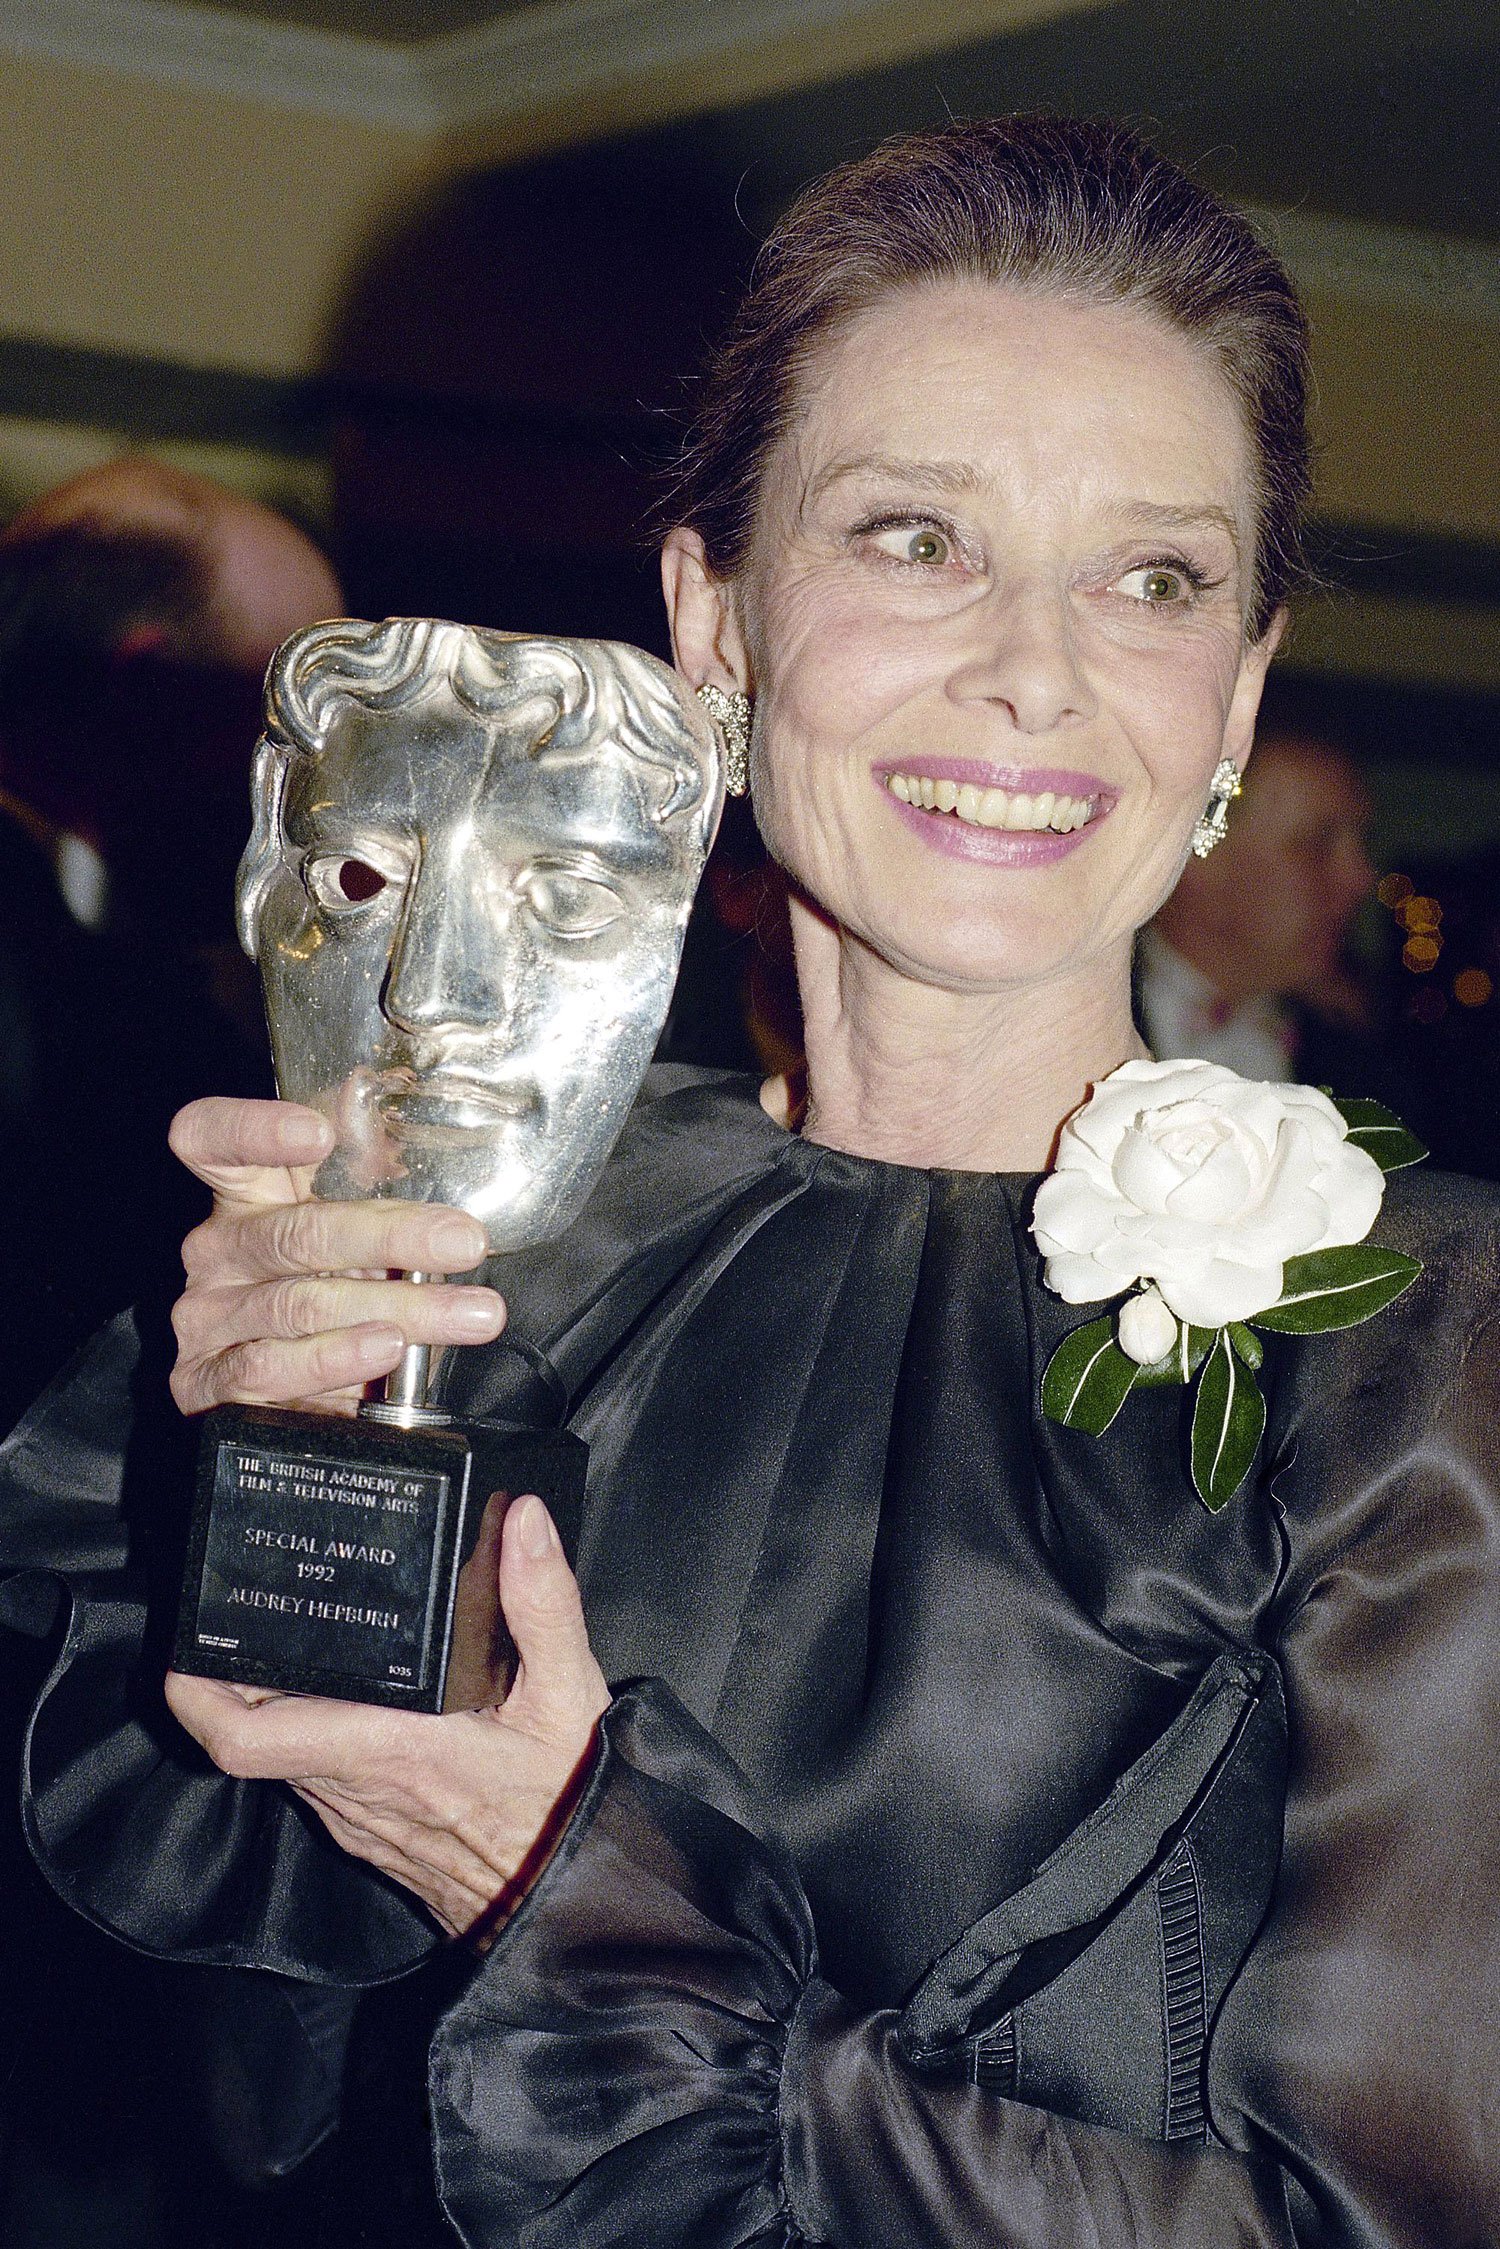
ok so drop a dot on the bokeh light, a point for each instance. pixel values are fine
(1419, 915)
(1472, 987)
(1427, 1005)
(1392, 889)
(1421, 952)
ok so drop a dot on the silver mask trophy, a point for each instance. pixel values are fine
(472, 863)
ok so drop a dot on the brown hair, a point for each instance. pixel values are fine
(1075, 207)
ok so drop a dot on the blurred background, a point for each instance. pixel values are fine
(394, 305)
(430, 278)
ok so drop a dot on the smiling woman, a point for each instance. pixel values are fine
(923, 1821)
(1009, 546)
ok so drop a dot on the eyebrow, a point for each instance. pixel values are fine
(1163, 516)
(619, 857)
(942, 476)
(962, 477)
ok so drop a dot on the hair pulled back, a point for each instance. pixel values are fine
(1070, 207)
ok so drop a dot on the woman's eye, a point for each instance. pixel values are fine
(919, 543)
(573, 905)
(1158, 584)
(339, 881)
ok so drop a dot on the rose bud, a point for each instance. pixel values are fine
(1147, 1329)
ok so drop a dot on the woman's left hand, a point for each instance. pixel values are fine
(464, 1809)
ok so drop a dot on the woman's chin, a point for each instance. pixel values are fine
(986, 959)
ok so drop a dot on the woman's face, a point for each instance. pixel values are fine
(994, 615)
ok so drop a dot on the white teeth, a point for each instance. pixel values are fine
(994, 808)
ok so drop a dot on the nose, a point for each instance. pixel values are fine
(1355, 873)
(452, 964)
(1023, 660)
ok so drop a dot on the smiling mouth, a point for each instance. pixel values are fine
(1020, 811)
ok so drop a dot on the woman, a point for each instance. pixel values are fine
(923, 1885)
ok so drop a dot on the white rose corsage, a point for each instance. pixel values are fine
(1224, 1206)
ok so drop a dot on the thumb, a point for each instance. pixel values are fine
(558, 1679)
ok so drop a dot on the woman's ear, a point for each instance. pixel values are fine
(708, 642)
(1244, 705)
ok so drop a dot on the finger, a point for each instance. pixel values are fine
(230, 1145)
(258, 1244)
(214, 1319)
(323, 1369)
(292, 1737)
(558, 1683)
(207, 1708)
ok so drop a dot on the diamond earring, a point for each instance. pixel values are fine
(731, 715)
(1222, 791)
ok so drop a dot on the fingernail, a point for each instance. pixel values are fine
(479, 1312)
(306, 1135)
(535, 1526)
(457, 1242)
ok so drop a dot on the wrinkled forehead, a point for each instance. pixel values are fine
(439, 771)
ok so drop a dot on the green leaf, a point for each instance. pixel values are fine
(1380, 1132)
(1337, 1288)
(1229, 1417)
(1249, 1347)
(1088, 1379)
(1182, 1362)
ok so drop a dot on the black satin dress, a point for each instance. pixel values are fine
(988, 1845)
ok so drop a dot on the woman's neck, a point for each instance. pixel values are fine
(963, 1081)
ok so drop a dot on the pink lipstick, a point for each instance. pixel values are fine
(976, 800)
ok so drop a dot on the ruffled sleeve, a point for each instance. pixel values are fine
(128, 1819)
(613, 2074)
(650, 2054)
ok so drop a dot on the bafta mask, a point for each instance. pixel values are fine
(470, 873)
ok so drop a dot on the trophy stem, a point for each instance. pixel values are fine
(406, 1388)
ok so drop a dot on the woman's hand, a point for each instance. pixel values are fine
(287, 1299)
(463, 1810)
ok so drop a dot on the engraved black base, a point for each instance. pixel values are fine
(358, 1559)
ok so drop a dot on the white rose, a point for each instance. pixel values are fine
(1205, 1183)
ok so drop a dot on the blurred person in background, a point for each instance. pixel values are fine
(1443, 937)
(138, 609)
(1247, 962)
